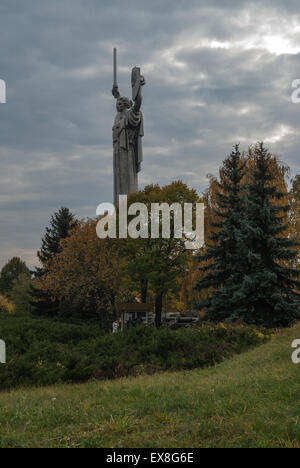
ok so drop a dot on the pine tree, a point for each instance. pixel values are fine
(60, 225)
(222, 270)
(269, 288)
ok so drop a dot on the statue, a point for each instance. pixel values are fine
(128, 131)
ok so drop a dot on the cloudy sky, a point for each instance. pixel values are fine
(217, 72)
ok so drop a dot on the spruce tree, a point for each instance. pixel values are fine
(269, 288)
(60, 225)
(222, 269)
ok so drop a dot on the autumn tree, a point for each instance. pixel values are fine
(6, 307)
(61, 224)
(85, 276)
(294, 216)
(186, 295)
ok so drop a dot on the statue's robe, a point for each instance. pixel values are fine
(128, 155)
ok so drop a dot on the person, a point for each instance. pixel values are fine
(115, 326)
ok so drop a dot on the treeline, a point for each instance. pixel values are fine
(248, 269)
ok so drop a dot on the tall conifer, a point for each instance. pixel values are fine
(270, 284)
(222, 269)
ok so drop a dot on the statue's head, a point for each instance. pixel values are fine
(123, 103)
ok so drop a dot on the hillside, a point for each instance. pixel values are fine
(251, 400)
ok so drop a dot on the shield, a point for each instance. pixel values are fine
(135, 82)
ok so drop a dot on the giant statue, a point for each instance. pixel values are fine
(128, 131)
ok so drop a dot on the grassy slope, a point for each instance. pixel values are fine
(251, 400)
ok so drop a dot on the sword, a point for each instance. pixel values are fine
(115, 67)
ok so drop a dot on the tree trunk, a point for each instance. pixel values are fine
(144, 291)
(158, 309)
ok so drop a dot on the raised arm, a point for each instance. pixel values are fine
(138, 100)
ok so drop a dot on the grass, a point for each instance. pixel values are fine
(251, 400)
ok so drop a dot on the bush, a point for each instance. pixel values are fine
(45, 352)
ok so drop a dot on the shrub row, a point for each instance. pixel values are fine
(44, 352)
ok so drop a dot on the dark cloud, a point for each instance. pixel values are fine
(217, 72)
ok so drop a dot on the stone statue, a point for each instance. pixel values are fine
(128, 131)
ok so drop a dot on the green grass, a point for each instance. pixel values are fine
(251, 400)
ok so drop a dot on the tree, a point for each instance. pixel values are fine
(158, 262)
(294, 216)
(185, 295)
(137, 267)
(42, 303)
(61, 224)
(11, 272)
(268, 293)
(20, 294)
(85, 276)
(220, 261)
(6, 307)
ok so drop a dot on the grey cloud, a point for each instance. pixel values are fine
(55, 130)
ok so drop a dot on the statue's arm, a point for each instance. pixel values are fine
(138, 100)
(115, 92)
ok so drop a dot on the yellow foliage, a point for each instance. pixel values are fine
(6, 306)
(87, 271)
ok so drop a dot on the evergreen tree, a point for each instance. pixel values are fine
(11, 272)
(43, 304)
(60, 225)
(268, 293)
(222, 270)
